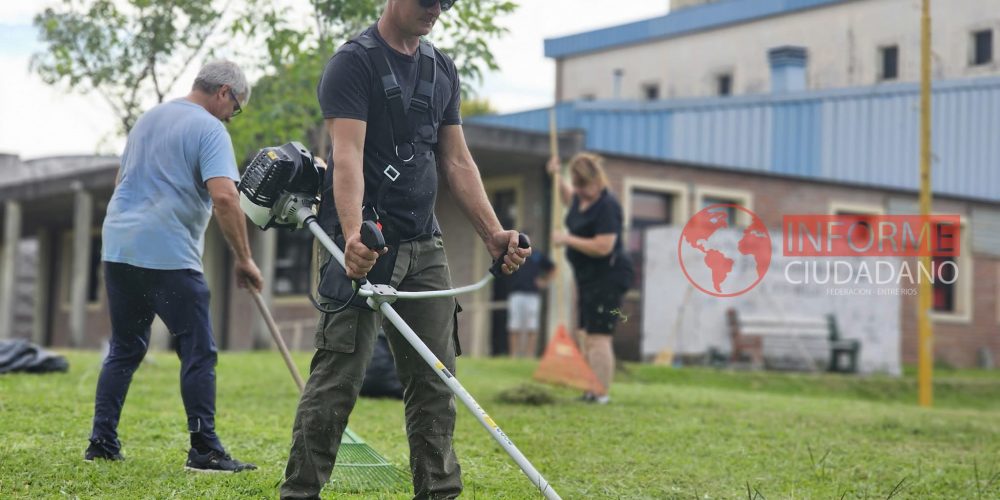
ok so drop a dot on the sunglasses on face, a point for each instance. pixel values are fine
(236, 102)
(445, 4)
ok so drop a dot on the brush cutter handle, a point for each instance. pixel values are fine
(522, 242)
(308, 219)
(371, 236)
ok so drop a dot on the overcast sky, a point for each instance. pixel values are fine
(39, 120)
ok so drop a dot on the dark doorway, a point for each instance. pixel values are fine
(504, 203)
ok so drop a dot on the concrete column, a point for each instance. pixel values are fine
(8, 272)
(217, 276)
(43, 298)
(79, 283)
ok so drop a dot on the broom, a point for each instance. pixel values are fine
(359, 468)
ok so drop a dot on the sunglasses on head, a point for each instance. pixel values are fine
(445, 4)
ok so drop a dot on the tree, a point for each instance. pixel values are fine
(136, 52)
(477, 107)
(126, 54)
(284, 106)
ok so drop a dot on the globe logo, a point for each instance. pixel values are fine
(720, 258)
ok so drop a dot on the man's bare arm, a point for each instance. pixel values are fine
(348, 138)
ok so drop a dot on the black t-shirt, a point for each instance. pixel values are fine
(534, 266)
(604, 216)
(350, 88)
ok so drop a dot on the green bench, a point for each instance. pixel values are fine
(798, 343)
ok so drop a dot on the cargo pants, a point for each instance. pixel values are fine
(344, 343)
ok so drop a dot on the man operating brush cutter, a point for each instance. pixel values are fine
(391, 104)
(279, 189)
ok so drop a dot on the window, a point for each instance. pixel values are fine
(649, 209)
(731, 212)
(293, 263)
(861, 213)
(706, 196)
(724, 84)
(951, 292)
(649, 203)
(616, 91)
(982, 47)
(862, 224)
(651, 91)
(945, 277)
(890, 62)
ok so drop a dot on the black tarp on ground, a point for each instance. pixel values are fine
(23, 356)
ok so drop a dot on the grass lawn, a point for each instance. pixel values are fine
(669, 433)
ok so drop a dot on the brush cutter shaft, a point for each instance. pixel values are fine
(386, 309)
(477, 411)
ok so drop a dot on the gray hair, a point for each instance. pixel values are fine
(215, 74)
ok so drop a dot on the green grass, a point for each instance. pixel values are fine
(669, 433)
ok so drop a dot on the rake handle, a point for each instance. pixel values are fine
(273, 328)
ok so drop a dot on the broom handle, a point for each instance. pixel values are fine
(555, 223)
(442, 372)
(273, 328)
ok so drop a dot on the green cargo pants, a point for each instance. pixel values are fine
(344, 343)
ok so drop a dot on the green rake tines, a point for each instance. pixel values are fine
(360, 469)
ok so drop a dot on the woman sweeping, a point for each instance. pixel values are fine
(594, 248)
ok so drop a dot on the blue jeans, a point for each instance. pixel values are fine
(180, 298)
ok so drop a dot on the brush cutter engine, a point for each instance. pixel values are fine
(277, 183)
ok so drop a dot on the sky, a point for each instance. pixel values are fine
(40, 120)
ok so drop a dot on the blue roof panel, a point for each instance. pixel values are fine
(863, 135)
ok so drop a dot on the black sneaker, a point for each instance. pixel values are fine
(97, 452)
(215, 461)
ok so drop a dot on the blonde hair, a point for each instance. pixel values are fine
(586, 169)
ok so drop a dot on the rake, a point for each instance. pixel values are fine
(359, 468)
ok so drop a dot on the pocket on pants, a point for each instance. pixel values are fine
(338, 332)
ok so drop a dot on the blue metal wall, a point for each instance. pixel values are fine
(867, 135)
(688, 20)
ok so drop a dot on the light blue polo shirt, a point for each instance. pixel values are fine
(158, 214)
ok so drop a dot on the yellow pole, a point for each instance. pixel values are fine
(926, 332)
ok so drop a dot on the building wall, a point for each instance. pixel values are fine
(842, 42)
(957, 341)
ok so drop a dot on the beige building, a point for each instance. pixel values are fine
(705, 48)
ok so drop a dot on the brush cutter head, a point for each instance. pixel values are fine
(276, 182)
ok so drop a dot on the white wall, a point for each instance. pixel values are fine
(678, 317)
(842, 41)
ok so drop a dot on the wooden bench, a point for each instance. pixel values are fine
(809, 343)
